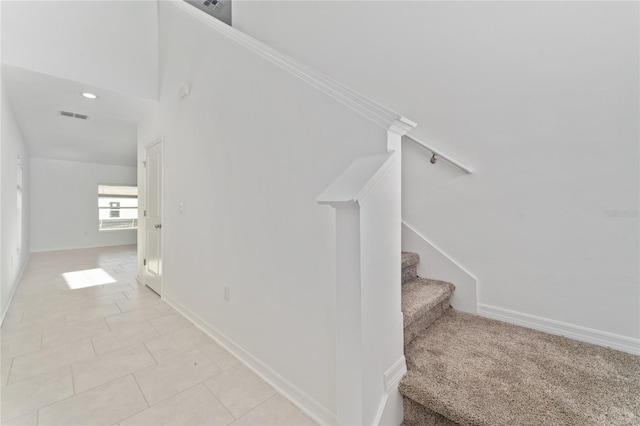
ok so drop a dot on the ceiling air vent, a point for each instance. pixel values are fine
(74, 115)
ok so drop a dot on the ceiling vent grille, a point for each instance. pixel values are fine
(74, 115)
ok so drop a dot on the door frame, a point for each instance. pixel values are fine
(143, 240)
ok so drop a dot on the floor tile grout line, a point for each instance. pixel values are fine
(193, 348)
(73, 379)
(202, 383)
(124, 374)
(20, 415)
(48, 371)
(77, 394)
(155, 328)
(177, 393)
(260, 404)
(147, 348)
(75, 340)
(218, 399)
(176, 329)
(149, 352)
(108, 326)
(141, 392)
(93, 346)
(10, 371)
(103, 353)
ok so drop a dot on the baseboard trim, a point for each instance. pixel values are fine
(394, 374)
(15, 287)
(47, 250)
(392, 378)
(300, 399)
(576, 332)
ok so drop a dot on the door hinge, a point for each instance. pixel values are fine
(145, 213)
(144, 262)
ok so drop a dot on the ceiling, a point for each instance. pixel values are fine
(108, 136)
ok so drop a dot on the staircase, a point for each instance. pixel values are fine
(423, 302)
(463, 369)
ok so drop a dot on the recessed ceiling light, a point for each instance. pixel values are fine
(89, 95)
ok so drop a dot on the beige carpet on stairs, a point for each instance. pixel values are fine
(477, 371)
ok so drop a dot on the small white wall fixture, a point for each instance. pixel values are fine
(369, 344)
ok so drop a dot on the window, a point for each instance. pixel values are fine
(114, 207)
(117, 207)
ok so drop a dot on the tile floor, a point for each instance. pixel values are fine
(84, 344)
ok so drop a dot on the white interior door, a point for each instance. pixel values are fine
(153, 222)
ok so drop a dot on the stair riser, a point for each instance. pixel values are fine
(419, 415)
(411, 331)
(409, 273)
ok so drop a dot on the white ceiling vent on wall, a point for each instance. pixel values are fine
(74, 115)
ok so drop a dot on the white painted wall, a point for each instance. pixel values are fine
(248, 153)
(541, 98)
(12, 146)
(108, 44)
(64, 204)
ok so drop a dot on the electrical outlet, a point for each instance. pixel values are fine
(181, 208)
(227, 292)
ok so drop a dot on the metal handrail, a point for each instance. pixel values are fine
(435, 155)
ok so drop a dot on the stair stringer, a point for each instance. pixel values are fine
(437, 265)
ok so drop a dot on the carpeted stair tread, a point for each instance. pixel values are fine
(409, 259)
(418, 415)
(421, 295)
(477, 371)
(409, 266)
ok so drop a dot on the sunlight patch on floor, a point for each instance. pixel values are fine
(87, 278)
